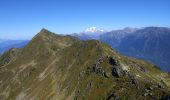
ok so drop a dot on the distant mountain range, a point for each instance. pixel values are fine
(59, 67)
(5, 45)
(90, 33)
(149, 43)
(115, 37)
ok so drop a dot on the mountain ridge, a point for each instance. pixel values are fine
(64, 67)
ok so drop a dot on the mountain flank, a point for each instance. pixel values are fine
(149, 43)
(56, 67)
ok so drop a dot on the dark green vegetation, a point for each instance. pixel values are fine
(64, 68)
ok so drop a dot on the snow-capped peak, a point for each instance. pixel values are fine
(94, 30)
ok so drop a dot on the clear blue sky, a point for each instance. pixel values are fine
(20, 19)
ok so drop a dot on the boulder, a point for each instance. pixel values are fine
(112, 61)
(113, 96)
(117, 72)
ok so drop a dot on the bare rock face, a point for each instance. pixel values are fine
(117, 70)
(112, 61)
(113, 96)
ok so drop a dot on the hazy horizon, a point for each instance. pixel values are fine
(21, 19)
(30, 37)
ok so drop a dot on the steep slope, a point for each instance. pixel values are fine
(149, 43)
(115, 37)
(62, 67)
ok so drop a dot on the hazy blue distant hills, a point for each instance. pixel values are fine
(115, 37)
(151, 43)
(5, 45)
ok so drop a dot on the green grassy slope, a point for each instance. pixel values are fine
(64, 68)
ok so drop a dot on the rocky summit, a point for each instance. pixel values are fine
(55, 67)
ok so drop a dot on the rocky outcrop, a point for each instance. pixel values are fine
(113, 96)
(117, 70)
(9, 56)
(142, 69)
(112, 61)
(97, 68)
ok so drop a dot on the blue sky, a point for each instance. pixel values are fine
(22, 19)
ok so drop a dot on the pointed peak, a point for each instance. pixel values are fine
(45, 33)
(43, 30)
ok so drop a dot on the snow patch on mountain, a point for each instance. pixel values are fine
(94, 30)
